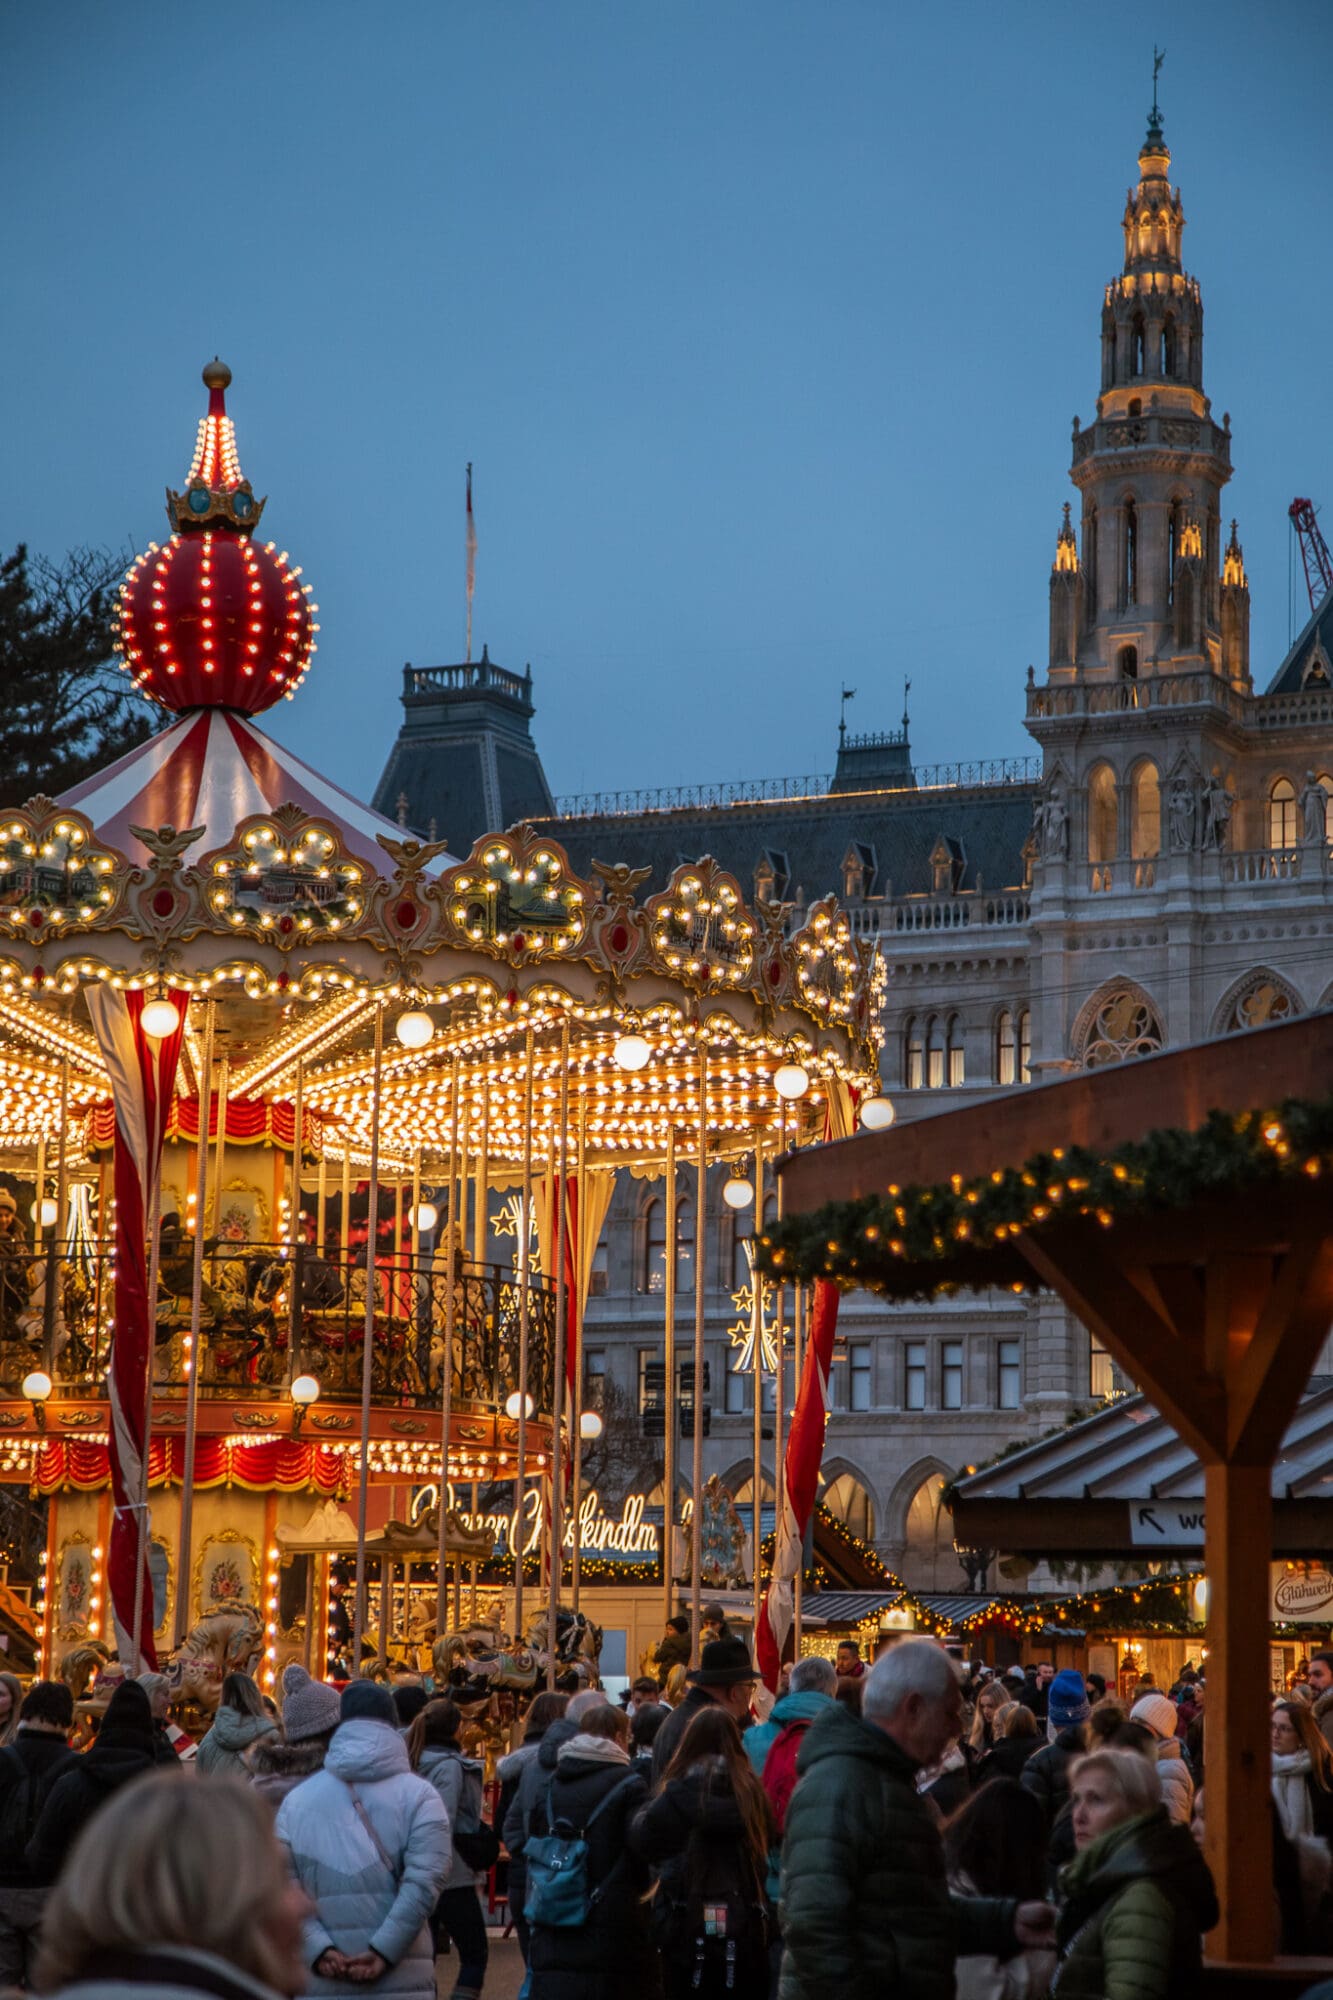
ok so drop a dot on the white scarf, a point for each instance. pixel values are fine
(593, 1750)
(1291, 1793)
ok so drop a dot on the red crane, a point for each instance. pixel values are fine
(1314, 551)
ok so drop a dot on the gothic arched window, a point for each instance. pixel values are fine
(934, 1053)
(1127, 663)
(953, 1049)
(1282, 814)
(1129, 572)
(655, 1245)
(847, 1500)
(1103, 833)
(1260, 998)
(1172, 550)
(1136, 346)
(1145, 813)
(1122, 1023)
(914, 1072)
(1006, 1048)
(1025, 1045)
(1168, 346)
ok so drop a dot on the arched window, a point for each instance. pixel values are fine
(1127, 663)
(1145, 813)
(1103, 834)
(1090, 564)
(1172, 550)
(953, 1052)
(934, 1053)
(1129, 574)
(1136, 345)
(655, 1246)
(1025, 1046)
(1282, 814)
(1121, 1024)
(1168, 346)
(1006, 1048)
(847, 1500)
(914, 1069)
(929, 1562)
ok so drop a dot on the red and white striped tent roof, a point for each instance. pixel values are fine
(214, 768)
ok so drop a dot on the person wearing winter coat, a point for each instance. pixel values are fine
(121, 1751)
(433, 1750)
(547, 1708)
(673, 1648)
(995, 1845)
(865, 1899)
(812, 1685)
(369, 1842)
(1302, 1773)
(1157, 1711)
(1017, 1739)
(610, 1955)
(1138, 1894)
(310, 1714)
(29, 1767)
(1046, 1773)
(176, 1892)
(240, 1721)
(725, 1676)
(708, 1833)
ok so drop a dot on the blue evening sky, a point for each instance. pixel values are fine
(763, 323)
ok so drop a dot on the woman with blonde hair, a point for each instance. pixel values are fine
(1138, 1894)
(11, 1700)
(177, 1890)
(991, 1704)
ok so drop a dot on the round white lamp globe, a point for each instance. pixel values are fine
(305, 1391)
(37, 1386)
(414, 1029)
(632, 1051)
(49, 1212)
(877, 1114)
(424, 1217)
(515, 1402)
(590, 1424)
(161, 1018)
(791, 1081)
(737, 1192)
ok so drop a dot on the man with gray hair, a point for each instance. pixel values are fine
(866, 1907)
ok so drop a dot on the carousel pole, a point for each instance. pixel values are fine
(524, 1315)
(368, 1346)
(54, 1248)
(346, 1233)
(464, 1122)
(757, 1371)
(780, 1337)
(183, 1553)
(220, 1158)
(321, 1197)
(141, 1505)
(556, 1529)
(798, 1355)
(480, 1206)
(446, 1391)
(38, 1191)
(700, 1240)
(670, 1420)
(576, 1393)
(295, 1240)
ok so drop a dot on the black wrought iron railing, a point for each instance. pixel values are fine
(273, 1311)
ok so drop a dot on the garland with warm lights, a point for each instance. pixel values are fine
(895, 1243)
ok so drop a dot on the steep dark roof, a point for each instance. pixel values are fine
(1316, 639)
(988, 823)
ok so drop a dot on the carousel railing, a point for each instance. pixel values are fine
(270, 1312)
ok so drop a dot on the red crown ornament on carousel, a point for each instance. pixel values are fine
(215, 619)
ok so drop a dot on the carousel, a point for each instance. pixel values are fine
(267, 1065)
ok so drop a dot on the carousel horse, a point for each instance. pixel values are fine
(479, 1661)
(81, 1664)
(226, 1641)
(578, 1647)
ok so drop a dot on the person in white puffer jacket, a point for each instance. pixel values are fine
(1157, 1711)
(370, 1843)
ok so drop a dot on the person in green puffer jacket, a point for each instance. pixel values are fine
(866, 1910)
(1138, 1894)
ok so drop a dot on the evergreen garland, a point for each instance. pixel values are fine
(915, 1242)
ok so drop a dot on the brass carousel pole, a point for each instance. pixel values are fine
(220, 1157)
(780, 1336)
(581, 1251)
(561, 1345)
(447, 1367)
(322, 1198)
(464, 1121)
(38, 1191)
(670, 1419)
(185, 1537)
(798, 1355)
(480, 1226)
(700, 1239)
(141, 1506)
(54, 1249)
(295, 1241)
(368, 1347)
(757, 1372)
(524, 1279)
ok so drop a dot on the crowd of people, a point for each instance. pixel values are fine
(911, 1828)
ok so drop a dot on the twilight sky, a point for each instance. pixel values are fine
(762, 322)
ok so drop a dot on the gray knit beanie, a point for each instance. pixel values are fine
(309, 1708)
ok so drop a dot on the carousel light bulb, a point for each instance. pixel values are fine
(49, 1212)
(631, 1052)
(590, 1424)
(514, 1403)
(37, 1386)
(305, 1391)
(424, 1217)
(414, 1029)
(160, 1018)
(791, 1081)
(737, 1192)
(877, 1114)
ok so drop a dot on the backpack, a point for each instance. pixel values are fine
(779, 1778)
(476, 1842)
(558, 1894)
(21, 1803)
(719, 1939)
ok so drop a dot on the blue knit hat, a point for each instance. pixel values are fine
(368, 1701)
(1066, 1699)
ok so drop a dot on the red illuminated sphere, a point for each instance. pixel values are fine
(215, 619)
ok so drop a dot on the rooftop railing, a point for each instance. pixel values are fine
(968, 775)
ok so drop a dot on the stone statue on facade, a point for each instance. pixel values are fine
(1182, 811)
(1314, 811)
(1054, 825)
(1217, 804)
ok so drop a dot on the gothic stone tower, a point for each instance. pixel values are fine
(1148, 596)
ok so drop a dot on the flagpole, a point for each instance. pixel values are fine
(471, 560)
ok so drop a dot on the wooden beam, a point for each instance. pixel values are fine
(1075, 1266)
(1239, 1806)
(1267, 1378)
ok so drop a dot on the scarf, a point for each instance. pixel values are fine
(1291, 1793)
(593, 1750)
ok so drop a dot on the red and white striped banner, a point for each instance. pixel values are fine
(805, 1448)
(142, 1073)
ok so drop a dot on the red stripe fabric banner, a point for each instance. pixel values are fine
(805, 1449)
(274, 1465)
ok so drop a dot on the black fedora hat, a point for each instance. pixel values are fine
(723, 1663)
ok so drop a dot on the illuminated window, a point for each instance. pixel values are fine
(1282, 814)
(954, 1051)
(1025, 1046)
(914, 1074)
(1145, 813)
(1101, 1375)
(848, 1502)
(934, 1054)
(654, 1264)
(1103, 833)
(1006, 1048)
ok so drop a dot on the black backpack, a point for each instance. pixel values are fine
(22, 1795)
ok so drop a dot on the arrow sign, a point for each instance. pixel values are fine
(1151, 1525)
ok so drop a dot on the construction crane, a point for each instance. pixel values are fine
(1314, 551)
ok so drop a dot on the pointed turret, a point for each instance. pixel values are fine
(216, 490)
(1235, 614)
(1066, 596)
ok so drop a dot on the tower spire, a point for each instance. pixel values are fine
(1155, 114)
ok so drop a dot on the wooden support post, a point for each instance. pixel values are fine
(1237, 1551)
